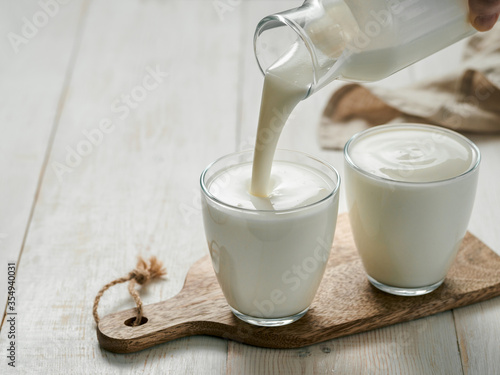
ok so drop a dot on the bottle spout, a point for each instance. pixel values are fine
(314, 34)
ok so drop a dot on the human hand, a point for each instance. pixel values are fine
(483, 14)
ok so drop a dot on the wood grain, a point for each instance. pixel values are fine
(477, 326)
(345, 304)
(136, 192)
(123, 199)
(32, 83)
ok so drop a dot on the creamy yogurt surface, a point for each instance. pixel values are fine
(412, 155)
(408, 232)
(290, 186)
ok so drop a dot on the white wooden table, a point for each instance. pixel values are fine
(174, 85)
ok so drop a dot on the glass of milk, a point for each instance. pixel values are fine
(410, 190)
(269, 253)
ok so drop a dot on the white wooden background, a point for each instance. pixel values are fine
(136, 192)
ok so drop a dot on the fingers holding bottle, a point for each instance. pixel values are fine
(483, 14)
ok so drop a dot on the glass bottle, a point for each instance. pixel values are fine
(360, 40)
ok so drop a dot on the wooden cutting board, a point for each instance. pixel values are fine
(345, 304)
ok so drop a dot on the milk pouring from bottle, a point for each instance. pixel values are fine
(301, 50)
(260, 231)
(358, 40)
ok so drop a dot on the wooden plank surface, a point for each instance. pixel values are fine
(33, 75)
(478, 328)
(136, 191)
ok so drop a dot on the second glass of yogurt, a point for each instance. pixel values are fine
(410, 190)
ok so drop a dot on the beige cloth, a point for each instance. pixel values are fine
(466, 100)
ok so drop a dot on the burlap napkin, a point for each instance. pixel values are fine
(467, 99)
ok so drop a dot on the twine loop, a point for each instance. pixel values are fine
(143, 273)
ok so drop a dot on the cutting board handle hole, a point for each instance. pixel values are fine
(130, 322)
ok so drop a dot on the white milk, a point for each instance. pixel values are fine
(367, 47)
(286, 83)
(270, 262)
(361, 40)
(410, 206)
(379, 43)
(348, 47)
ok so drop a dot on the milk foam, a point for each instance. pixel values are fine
(412, 155)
